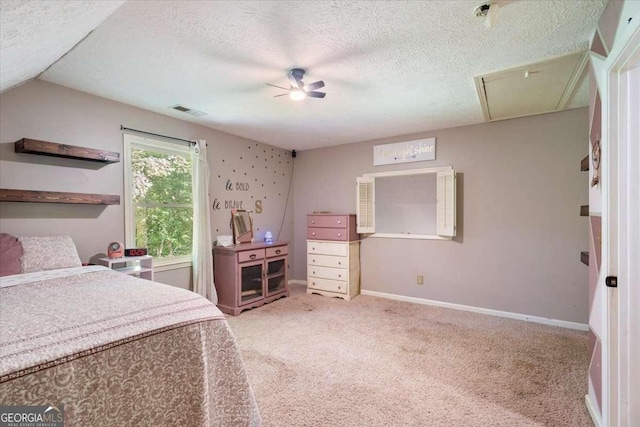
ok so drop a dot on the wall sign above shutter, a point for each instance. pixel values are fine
(404, 152)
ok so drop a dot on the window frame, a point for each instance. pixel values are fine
(171, 148)
(446, 208)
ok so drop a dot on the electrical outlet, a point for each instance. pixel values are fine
(420, 280)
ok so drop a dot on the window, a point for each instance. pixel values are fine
(410, 204)
(159, 199)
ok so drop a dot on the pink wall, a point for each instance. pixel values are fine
(50, 112)
(519, 230)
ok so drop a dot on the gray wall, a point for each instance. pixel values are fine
(49, 112)
(519, 229)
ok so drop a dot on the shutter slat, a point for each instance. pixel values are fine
(446, 204)
(365, 212)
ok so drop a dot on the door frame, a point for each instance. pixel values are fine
(619, 201)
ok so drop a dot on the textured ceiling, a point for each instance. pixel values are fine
(34, 34)
(390, 67)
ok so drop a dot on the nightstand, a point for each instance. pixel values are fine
(135, 265)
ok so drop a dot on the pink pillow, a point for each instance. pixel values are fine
(10, 254)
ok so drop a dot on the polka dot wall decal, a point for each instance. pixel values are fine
(234, 170)
(240, 157)
(222, 160)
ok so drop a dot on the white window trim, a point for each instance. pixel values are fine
(165, 264)
(405, 173)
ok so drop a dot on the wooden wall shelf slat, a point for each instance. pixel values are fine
(7, 195)
(584, 164)
(45, 148)
(584, 257)
(584, 210)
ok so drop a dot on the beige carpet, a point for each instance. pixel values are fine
(318, 361)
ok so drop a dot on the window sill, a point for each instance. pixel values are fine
(411, 236)
(172, 264)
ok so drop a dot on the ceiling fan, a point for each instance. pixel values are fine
(298, 90)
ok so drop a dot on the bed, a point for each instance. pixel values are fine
(111, 349)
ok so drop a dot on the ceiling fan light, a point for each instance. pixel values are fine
(297, 95)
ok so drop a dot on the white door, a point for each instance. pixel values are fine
(623, 258)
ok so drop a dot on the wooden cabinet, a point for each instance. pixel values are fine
(249, 275)
(333, 255)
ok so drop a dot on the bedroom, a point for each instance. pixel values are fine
(496, 262)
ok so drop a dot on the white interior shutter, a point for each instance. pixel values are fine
(366, 208)
(446, 204)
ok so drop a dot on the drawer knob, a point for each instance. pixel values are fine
(252, 256)
(339, 222)
(314, 272)
(313, 234)
(313, 222)
(339, 287)
(339, 263)
(313, 260)
(278, 252)
(339, 275)
(339, 234)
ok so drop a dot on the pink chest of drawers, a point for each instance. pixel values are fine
(333, 255)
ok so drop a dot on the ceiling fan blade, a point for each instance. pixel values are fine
(316, 94)
(279, 87)
(282, 94)
(314, 86)
(294, 82)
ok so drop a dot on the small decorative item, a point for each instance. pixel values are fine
(268, 237)
(136, 252)
(242, 226)
(115, 250)
(595, 160)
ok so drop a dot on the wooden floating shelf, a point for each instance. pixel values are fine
(584, 164)
(584, 257)
(45, 148)
(57, 197)
(584, 210)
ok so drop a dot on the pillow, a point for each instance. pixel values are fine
(48, 253)
(10, 254)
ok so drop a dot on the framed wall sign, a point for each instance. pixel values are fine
(404, 152)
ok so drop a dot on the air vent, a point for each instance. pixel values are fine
(196, 113)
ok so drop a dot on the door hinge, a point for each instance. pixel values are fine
(611, 281)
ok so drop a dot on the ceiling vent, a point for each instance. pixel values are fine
(541, 87)
(196, 113)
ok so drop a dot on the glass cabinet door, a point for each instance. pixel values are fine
(276, 275)
(251, 282)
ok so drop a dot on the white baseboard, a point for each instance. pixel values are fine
(592, 411)
(518, 316)
(507, 314)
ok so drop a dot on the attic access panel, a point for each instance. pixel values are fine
(541, 87)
